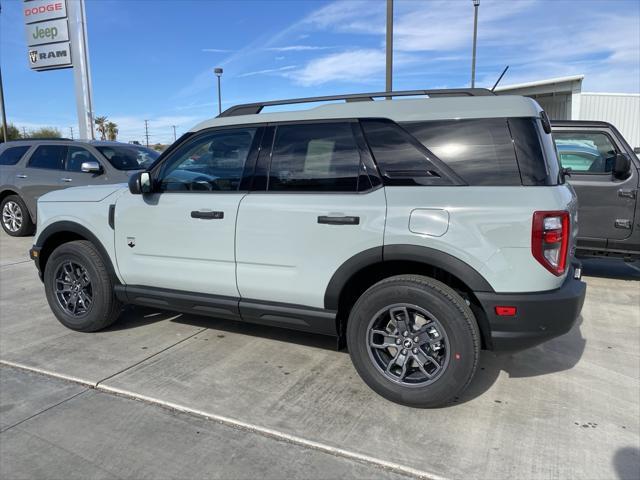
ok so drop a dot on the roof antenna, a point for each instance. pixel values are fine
(500, 77)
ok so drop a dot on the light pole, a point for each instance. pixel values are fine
(218, 72)
(476, 4)
(5, 136)
(389, 45)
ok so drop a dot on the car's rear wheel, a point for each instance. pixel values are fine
(16, 220)
(414, 340)
(79, 287)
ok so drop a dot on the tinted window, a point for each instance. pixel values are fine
(399, 156)
(128, 157)
(314, 157)
(49, 156)
(12, 155)
(76, 157)
(585, 152)
(211, 162)
(478, 150)
(535, 152)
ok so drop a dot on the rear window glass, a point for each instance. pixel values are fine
(12, 155)
(535, 151)
(401, 159)
(49, 156)
(478, 150)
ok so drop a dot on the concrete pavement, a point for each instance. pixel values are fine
(566, 409)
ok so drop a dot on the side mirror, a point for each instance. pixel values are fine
(91, 167)
(140, 183)
(621, 166)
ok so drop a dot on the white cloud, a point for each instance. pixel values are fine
(297, 48)
(268, 71)
(346, 66)
(215, 50)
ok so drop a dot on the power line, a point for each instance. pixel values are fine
(146, 131)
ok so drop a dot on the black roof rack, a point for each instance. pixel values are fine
(254, 108)
(28, 139)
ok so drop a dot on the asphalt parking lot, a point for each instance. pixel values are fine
(162, 395)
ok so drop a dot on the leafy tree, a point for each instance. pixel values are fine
(101, 126)
(112, 130)
(45, 132)
(12, 133)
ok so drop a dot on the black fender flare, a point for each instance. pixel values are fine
(65, 226)
(400, 252)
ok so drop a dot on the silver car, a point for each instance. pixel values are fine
(31, 168)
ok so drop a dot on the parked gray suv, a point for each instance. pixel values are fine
(31, 168)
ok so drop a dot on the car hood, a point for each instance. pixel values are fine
(89, 193)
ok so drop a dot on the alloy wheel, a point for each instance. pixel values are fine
(12, 216)
(408, 345)
(73, 288)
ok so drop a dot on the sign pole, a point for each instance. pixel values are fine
(81, 70)
(4, 115)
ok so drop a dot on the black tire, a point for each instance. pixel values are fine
(104, 307)
(453, 316)
(15, 218)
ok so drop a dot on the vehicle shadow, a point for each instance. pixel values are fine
(610, 268)
(556, 355)
(626, 462)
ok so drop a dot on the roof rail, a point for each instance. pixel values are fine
(53, 139)
(254, 108)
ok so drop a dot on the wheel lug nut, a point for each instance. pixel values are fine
(416, 339)
(406, 334)
(398, 341)
(415, 350)
(404, 351)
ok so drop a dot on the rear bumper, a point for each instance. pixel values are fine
(539, 316)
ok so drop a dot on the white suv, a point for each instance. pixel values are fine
(418, 231)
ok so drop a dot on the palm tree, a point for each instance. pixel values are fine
(101, 126)
(112, 130)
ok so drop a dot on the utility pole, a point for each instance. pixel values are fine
(476, 4)
(4, 115)
(24, 132)
(218, 73)
(146, 131)
(174, 132)
(389, 73)
(71, 128)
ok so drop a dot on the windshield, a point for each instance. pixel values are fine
(128, 157)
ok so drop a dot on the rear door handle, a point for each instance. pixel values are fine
(328, 220)
(207, 215)
(21, 175)
(67, 179)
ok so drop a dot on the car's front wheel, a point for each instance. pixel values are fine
(16, 220)
(414, 340)
(79, 287)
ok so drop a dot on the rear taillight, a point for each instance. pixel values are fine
(550, 240)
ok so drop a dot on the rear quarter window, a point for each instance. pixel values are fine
(12, 155)
(536, 152)
(480, 151)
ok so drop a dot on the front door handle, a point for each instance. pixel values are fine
(207, 215)
(21, 175)
(67, 179)
(328, 220)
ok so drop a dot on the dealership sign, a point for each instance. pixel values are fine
(47, 34)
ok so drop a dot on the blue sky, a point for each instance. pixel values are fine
(154, 59)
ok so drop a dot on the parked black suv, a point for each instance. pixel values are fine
(605, 173)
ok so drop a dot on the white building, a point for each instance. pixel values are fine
(563, 99)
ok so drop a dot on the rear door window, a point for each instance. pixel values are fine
(12, 155)
(478, 150)
(49, 156)
(315, 157)
(586, 152)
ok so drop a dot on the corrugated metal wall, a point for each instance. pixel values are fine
(621, 110)
(558, 106)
